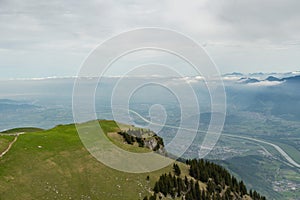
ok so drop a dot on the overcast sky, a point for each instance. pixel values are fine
(51, 38)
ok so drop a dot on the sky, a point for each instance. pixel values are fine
(52, 38)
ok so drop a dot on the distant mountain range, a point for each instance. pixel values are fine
(272, 95)
(273, 78)
(261, 75)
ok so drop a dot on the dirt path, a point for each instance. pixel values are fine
(10, 144)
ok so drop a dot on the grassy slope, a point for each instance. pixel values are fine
(5, 140)
(19, 130)
(53, 164)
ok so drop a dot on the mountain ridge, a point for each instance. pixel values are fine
(55, 165)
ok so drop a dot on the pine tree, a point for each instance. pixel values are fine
(153, 197)
(197, 190)
(242, 188)
(176, 169)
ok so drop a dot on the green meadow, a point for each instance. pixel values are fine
(54, 164)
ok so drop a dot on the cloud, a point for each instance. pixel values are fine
(231, 78)
(214, 22)
(274, 21)
(234, 32)
(266, 83)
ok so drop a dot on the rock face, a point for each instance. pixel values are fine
(156, 144)
(144, 138)
(151, 143)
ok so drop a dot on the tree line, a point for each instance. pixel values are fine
(220, 185)
(129, 139)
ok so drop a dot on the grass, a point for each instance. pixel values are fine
(111, 128)
(119, 141)
(25, 129)
(53, 164)
(5, 140)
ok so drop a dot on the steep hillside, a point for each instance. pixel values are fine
(53, 164)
